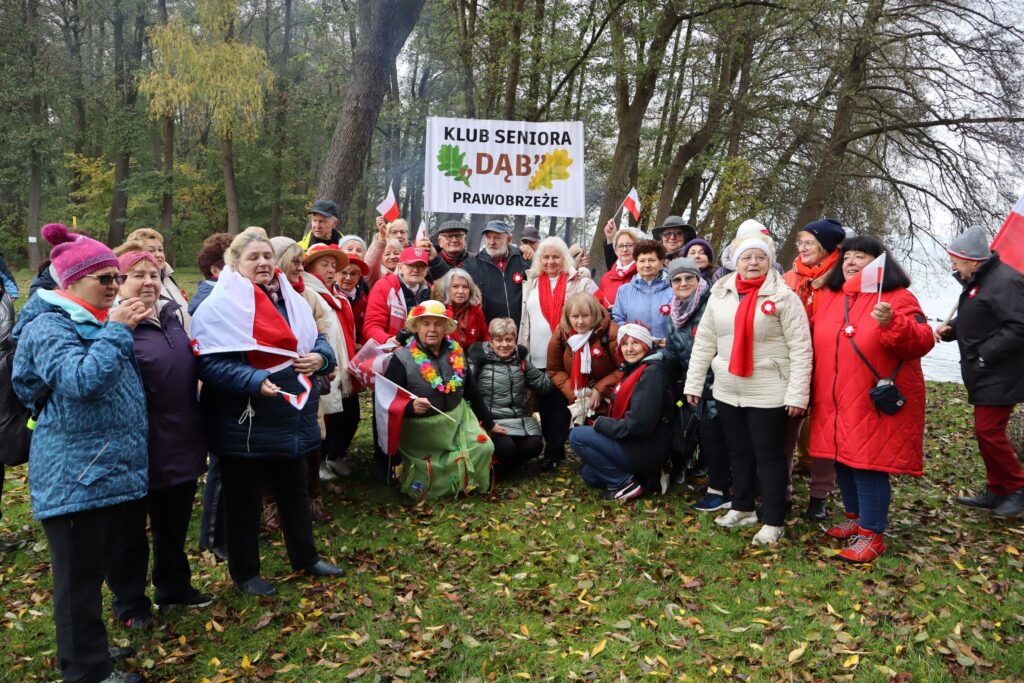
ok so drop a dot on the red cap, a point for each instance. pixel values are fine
(413, 255)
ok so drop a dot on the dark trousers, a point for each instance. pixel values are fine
(1002, 466)
(168, 511)
(605, 463)
(80, 547)
(243, 480)
(754, 436)
(212, 532)
(823, 471)
(714, 452)
(867, 494)
(554, 423)
(512, 452)
(341, 429)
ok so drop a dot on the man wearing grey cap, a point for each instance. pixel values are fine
(323, 223)
(528, 242)
(451, 238)
(499, 269)
(989, 329)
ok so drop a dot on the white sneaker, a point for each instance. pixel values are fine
(339, 467)
(736, 518)
(768, 535)
(326, 473)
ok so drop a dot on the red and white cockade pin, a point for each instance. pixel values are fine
(665, 309)
(596, 351)
(195, 347)
(973, 293)
(849, 330)
(768, 307)
(517, 278)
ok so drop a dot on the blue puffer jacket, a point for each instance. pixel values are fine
(641, 301)
(273, 428)
(89, 446)
(202, 291)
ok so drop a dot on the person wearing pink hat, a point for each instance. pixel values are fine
(75, 365)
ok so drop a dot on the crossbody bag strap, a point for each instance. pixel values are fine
(846, 321)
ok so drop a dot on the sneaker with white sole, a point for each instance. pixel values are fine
(326, 473)
(736, 518)
(768, 535)
(712, 502)
(631, 490)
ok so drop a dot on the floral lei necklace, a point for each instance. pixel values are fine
(429, 372)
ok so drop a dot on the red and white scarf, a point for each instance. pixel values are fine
(579, 376)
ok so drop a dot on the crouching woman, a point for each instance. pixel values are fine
(443, 449)
(623, 453)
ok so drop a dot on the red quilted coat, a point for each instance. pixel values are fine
(845, 425)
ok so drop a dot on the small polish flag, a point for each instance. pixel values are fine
(298, 401)
(389, 207)
(389, 409)
(1009, 241)
(632, 203)
(871, 276)
(421, 234)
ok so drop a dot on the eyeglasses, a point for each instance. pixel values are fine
(453, 236)
(682, 279)
(809, 244)
(672, 234)
(624, 246)
(107, 280)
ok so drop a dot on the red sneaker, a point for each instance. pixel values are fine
(846, 529)
(863, 548)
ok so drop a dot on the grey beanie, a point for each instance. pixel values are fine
(972, 245)
(683, 264)
(352, 238)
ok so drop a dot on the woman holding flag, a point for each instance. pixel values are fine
(444, 451)
(258, 347)
(867, 412)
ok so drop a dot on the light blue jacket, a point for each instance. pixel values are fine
(89, 446)
(642, 301)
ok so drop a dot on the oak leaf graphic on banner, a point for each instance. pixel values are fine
(452, 162)
(554, 167)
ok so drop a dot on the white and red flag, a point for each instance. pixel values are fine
(871, 276)
(389, 402)
(421, 234)
(389, 207)
(371, 360)
(1009, 241)
(632, 203)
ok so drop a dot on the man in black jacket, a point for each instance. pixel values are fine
(989, 328)
(451, 238)
(500, 271)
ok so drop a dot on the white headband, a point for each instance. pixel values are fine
(752, 243)
(636, 331)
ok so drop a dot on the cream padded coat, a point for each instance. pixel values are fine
(783, 357)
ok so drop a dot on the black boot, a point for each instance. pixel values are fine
(816, 510)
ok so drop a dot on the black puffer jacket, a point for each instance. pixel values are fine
(989, 328)
(503, 385)
(502, 289)
(645, 431)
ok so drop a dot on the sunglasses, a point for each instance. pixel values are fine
(107, 280)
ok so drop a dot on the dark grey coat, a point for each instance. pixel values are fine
(503, 385)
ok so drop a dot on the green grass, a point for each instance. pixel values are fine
(543, 581)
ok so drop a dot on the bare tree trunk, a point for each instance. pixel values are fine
(127, 55)
(35, 157)
(824, 181)
(227, 153)
(73, 37)
(167, 196)
(467, 34)
(384, 27)
(280, 118)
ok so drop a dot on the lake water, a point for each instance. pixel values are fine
(938, 292)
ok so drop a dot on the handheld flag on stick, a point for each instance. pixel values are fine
(1009, 241)
(389, 401)
(371, 360)
(389, 207)
(871, 277)
(421, 234)
(632, 203)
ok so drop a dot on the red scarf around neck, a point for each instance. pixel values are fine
(551, 302)
(624, 392)
(741, 362)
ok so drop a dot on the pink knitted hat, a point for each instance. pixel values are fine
(130, 259)
(75, 256)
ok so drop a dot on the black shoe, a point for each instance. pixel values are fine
(124, 677)
(192, 598)
(1012, 505)
(550, 464)
(119, 654)
(256, 586)
(986, 500)
(817, 511)
(325, 568)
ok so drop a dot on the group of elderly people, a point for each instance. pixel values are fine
(514, 351)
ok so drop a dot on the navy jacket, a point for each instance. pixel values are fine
(170, 376)
(241, 422)
(202, 291)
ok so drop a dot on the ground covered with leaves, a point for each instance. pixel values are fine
(544, 581)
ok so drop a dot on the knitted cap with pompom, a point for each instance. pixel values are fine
(74, 256)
